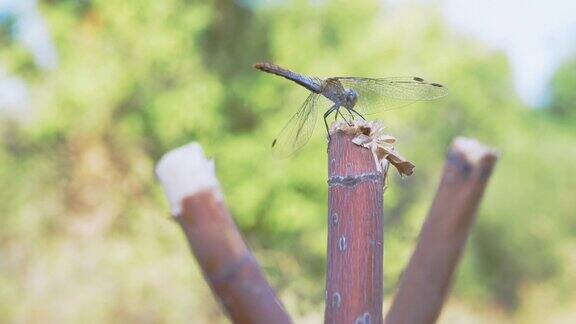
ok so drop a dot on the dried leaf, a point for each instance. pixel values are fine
(370, 134)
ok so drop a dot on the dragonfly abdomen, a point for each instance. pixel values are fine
(309, 83)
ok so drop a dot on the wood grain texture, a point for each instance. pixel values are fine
(355, 234)
(427, 278)
(227, 263)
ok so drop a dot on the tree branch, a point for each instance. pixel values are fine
(426, 281)
(232, 272)
(355, 233)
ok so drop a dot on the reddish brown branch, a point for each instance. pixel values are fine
(427, 278)
(355, 234)
(232, 272)
(228, 265)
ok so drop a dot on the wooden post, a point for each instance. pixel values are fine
(355, 233)
(192, 188)
(426, 280)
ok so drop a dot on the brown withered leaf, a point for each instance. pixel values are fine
(370, 134)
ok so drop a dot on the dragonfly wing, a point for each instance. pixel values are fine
(298, 130)
(376, 95)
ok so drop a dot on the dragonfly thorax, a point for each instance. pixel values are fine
(332, 89)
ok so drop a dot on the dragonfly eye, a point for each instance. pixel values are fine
(351, 96)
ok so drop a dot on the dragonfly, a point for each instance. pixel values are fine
(355, 96)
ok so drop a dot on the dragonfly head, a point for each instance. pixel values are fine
(351, 97)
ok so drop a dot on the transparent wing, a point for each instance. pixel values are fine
(298, 130)
(377, 95)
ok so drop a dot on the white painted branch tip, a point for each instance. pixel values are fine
(184, 172)
(472, 150)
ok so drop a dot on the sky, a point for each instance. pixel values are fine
(30, 30)
(536, 35)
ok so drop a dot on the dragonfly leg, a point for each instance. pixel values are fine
(342, 115)
(350, 110)
(350, 113)
(326, 114)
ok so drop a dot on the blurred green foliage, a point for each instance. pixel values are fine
(563, 94)
(85, 230)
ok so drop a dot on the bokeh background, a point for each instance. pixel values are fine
(93, 92)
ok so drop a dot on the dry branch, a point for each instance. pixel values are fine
(232, 272)
(355, 213)
(426, 281)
